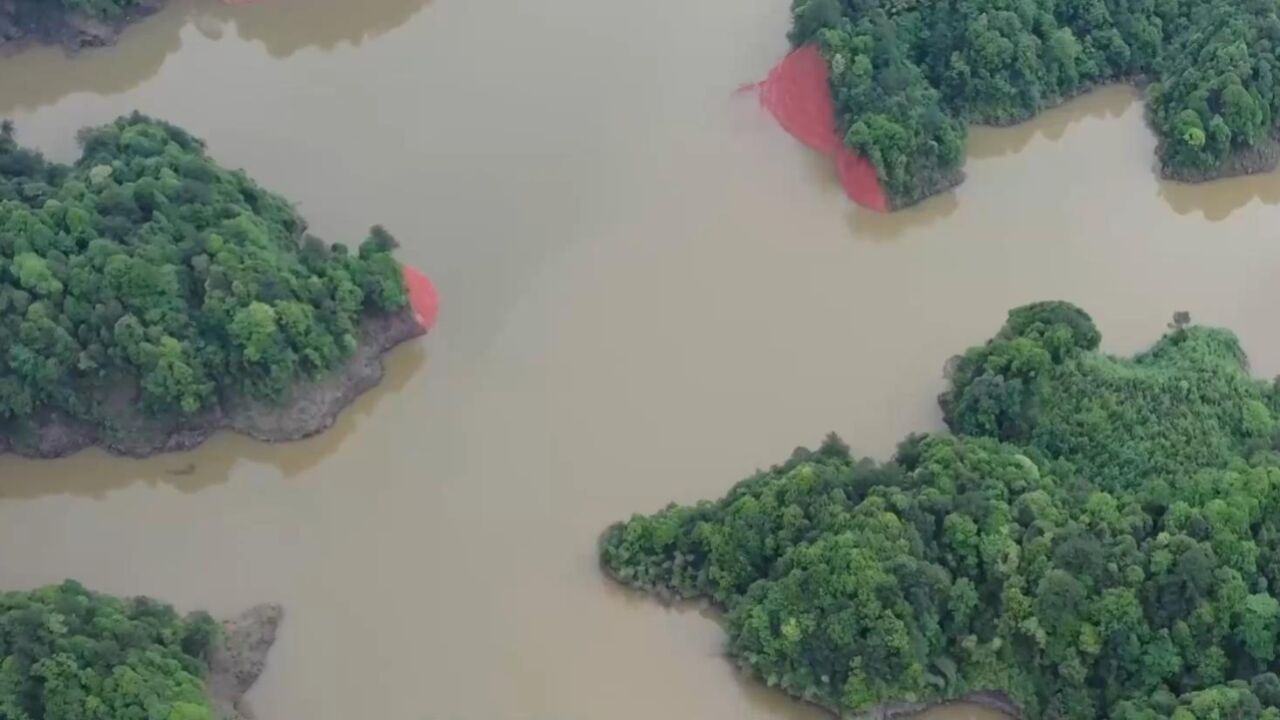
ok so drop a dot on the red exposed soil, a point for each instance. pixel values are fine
(422, 296)
(797, 93)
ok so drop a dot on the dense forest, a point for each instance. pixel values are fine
(1097, 537)
(908, 76)
(70, 654)
(145, 265)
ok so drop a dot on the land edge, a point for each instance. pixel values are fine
(238, 657)
(1259, 159)
(945, 182)
(25, 22)
(990, 699)
(311, 407)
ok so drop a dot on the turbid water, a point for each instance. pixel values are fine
(649, 290)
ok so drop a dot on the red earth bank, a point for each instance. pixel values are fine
(422, 296)
(797, 92)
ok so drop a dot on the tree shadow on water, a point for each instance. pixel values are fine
(987, 142)
(1218, 199)
(285, 27)
(1107, 102)
(94, 473)
(39, 76)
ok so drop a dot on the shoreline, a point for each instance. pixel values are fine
(25, 22)
(1137, 82)
(312, 407)
(1257, 160)
(988, 699)
(667, 597)
(238, 657)
(950, 181)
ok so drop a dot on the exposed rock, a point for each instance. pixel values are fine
(238, 658)
(40, 21)
(316, 405)
(311, 408)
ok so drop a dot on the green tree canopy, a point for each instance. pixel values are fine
(1099, 537)
(909, 75)
(146, 264)
(70, 654)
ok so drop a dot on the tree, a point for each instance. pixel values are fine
(67, 653)
(1259, 624)
(907, 77)
(1115, 560)
(147, 266)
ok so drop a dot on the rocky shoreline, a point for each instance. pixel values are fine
(312, 407)
(238, 658)
(37, 21)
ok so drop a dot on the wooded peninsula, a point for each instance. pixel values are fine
(149, 297)
(73, 654)
(1097, 537)
(909, 76)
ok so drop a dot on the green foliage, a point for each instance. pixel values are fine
(1099, 538)
(888, 110)
(1217, 92)
(909, 75)
(146, 263)
(70, 654)
(1186, 403)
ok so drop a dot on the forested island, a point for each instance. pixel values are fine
(1097, 537)
(67, 653)
(908, 76)
(149, 297)
(74, 24)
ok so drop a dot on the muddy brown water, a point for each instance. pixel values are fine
(649, 290)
